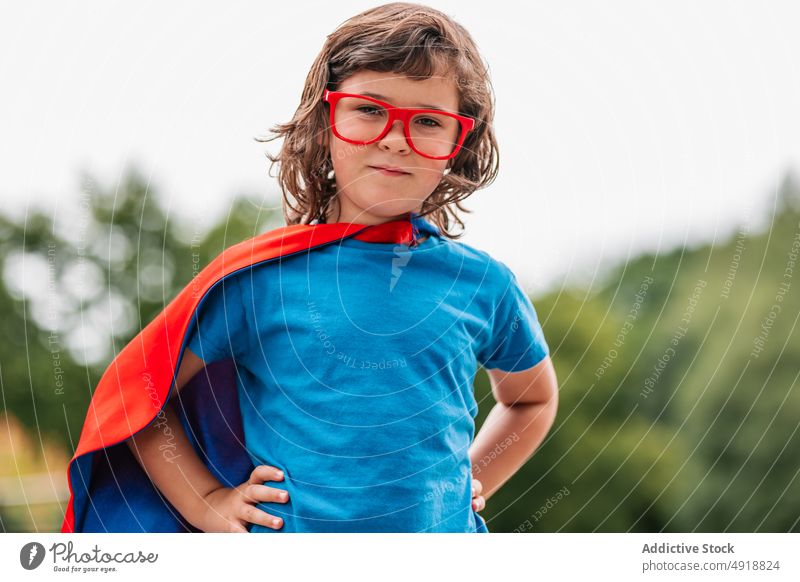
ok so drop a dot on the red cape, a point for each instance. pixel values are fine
(109, 491)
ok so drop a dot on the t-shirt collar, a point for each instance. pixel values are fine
(422, 227)
(406, 230)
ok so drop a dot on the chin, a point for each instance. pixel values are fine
(385, 205)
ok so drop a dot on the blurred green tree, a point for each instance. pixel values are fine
(79, 285)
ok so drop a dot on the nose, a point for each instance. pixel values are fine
(394, 139)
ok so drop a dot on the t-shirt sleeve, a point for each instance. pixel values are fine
(219, 327)
(515, 341)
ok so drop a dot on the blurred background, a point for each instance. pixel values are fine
(648, 200)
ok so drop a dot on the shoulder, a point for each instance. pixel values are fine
(494, 269)
(276, 243)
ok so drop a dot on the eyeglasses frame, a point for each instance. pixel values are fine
(404, 114)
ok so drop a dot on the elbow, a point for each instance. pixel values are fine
(548, 401)
(543, 410)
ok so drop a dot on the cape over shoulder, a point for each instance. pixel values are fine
(109, 491)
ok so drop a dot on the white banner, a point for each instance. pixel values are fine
(398, 557)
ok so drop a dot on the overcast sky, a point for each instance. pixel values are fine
(622, 126)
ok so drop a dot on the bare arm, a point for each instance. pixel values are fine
(526, 408)
(167, 456)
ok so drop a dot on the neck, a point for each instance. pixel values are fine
(338, 212)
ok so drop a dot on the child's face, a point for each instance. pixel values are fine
(367, 195)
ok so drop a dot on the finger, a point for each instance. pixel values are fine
(236, 527)
(253, 514)
(254, 493)
(265, 473)
(478, 503)
(477, 487)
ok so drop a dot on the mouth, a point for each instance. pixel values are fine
(390, 171)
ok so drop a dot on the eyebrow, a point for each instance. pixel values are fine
(422, 105)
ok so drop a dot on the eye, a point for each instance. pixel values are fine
(369, 110)
(428, 122)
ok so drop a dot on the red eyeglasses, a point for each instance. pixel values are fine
(432, 133)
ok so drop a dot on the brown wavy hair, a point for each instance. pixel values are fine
(405, 39)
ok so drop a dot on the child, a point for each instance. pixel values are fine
(349, 402)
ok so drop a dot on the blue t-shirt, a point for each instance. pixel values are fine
(356, 364)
